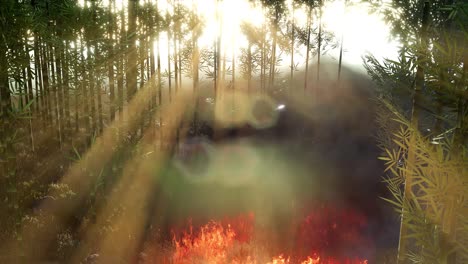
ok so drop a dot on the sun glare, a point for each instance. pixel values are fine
(229, 15)
(361, 31)
(352, 23)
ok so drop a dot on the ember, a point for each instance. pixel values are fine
(236, 241)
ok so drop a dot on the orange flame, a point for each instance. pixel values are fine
(230, 241)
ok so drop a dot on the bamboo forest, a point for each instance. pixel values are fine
(234, 131)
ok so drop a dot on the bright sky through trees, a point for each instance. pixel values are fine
(362, 32)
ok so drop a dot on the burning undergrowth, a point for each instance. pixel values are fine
(325, 234)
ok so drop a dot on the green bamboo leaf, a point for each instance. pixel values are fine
(395, 203)
(384, 158)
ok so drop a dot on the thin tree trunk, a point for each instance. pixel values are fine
(5, 108)
(143, 54)
(77, 85)
(120, 67)
(218, 49)
(5, 96)
(66, 87)
(58, 88)
(110, 68)
(179, 36)
(306, 76)
(169, 75)
(195, 58)
(30, 89)
(215, 51)
(159, 66)
(273, 52)
(59, 81)
(340, 60)
(158, 30)
(85, 80)
(54, 97)
(174, 43)
(459, 136)
(99, 92)
(30, 96)
(91, 85)
(410, 166)
(292, 49)
(152, 67)
(39, 105)
(45, 83)
(249, 68)
(319, 46)
(132, 70)
(21, 87)
(223, 72)
(263, 56)
(233, 67)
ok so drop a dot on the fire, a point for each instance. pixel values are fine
(216, 242)
(234, 241)
(315, 260)
(211, 245)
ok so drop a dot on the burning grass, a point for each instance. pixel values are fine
(326, 236)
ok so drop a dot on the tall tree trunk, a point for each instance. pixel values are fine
(249, 67)
(84, 86)
(410, 166)
(30, 78)
(5, 96)
(215, 51)
(66, 86)
(32, 105)
(223, 72)
(319, 46)
(54, 94)
(29, 95)
(91, 85)
(306, 76)
(99, 91)
(152, 65)
(218, 49)
(45, 83)
(459, 134)
(174, 43)
(110, 68)
(132, 70)
(39, 105)
(273, 52)
(59, 80)
(340, 60)
(292, 49)
(158, 47)
(120, 67)
(77, 86)
(24, 86)
(262, 65)
(180, 44)
(21, 87)
(158, 59)
(143, 54)
(5, 107)
(233, 66)
(169, 75)
(195, 58)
